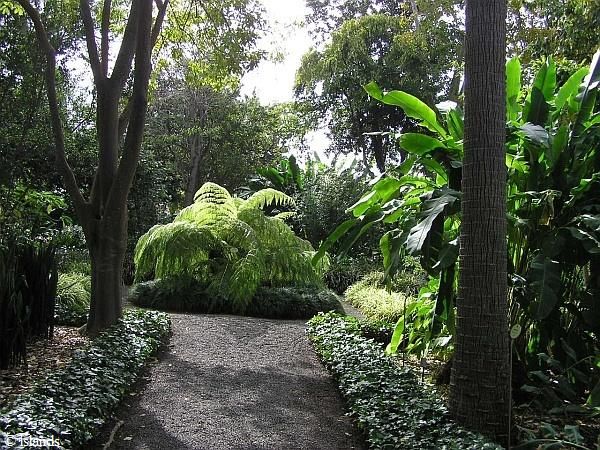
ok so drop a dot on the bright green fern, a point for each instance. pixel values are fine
(229, 243)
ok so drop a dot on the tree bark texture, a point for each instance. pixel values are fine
(480, 388)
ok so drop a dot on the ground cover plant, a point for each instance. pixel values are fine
(73, 402)
(187, 294)
(388, 402)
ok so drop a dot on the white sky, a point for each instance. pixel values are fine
(273, 82)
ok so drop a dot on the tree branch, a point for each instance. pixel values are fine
(127, 50)
(139, 102)
(105, 43)
(162, 9)
(90, 39)
(57, 126)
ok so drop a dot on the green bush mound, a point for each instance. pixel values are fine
(73, 294)
(73, 402)
(371, 297)
(389, 403)
(187, 294)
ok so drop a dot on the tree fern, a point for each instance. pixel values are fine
(230, 244)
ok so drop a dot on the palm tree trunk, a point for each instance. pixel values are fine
(480, 388)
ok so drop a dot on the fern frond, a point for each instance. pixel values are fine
(212, 193)
(285, 215)
(266, 197)
(175, 248)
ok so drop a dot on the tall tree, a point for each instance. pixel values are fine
(389, 42)
(479, 393)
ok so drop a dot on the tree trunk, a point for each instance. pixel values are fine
(193, 183)
(480, 390)
(107, 244)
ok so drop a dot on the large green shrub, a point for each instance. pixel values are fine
(390, 405)
(73, 402)
(187, 294)
(230, 244)
(73, 295)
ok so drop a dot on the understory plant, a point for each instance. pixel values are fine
(388, 402)
(73, 295)
(230, 244)
(73, 402)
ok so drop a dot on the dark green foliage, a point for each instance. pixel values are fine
(73, 295)
(73, 402)
(388, 402)
(12, 314)
(27, 298)
(187, 294)
(345, 271)
(37, 265)
(292, 302)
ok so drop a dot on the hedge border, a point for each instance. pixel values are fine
(387, 401)
(72, 403)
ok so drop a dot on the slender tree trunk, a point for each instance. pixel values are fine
(197, 151)
(480, 390)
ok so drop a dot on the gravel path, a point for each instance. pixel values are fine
(231, 382)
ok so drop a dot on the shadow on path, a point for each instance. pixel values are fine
(232, 382)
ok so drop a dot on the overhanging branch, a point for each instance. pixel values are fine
(57, 127)
(90, 39)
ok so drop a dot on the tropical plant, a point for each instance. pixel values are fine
(553, 209)
(229, 243)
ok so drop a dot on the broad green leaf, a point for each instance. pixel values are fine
(415, 108)
(587, 95)
(419, 144)
(436, 168)
(536, 134)
(587, 239)
(374, 90)
(559, 144)
(332, 239)
(456, 126)
(392, 347)
(545, 79)
(448, 255)
(431, 210)
(359, 208)
(536, 108)
(570, 88)
(513, 88)
(545, 276)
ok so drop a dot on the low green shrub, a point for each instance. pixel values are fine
(387, 401)
(186, 294)
(73, 402)
(73, 295)
(374, 301)
(292, 302)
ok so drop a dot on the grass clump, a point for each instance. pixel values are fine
(71, 404)
(388, 402)
(73, 295)
(378, 304)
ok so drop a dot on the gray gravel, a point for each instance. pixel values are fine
(231, 382)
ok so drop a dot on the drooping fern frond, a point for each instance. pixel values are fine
(285, 215)
(229, 243)
(174, 248)
(266, 197)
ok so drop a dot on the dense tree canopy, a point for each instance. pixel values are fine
(392, 50)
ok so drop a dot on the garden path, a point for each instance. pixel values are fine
(229, 382)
